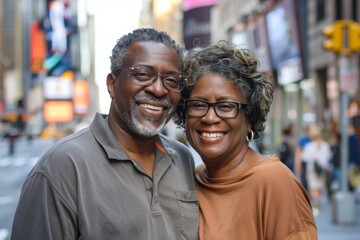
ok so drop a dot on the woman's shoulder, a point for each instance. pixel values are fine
(270, 162)
(280, 180)
(271, 170)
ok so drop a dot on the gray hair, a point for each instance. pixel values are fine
(119, 52)
(238, 65)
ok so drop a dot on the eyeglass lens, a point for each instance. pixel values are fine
(146, 76)
(224, 109)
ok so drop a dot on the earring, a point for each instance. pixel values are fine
(252, 135)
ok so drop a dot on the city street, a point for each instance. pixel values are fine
(13, 170)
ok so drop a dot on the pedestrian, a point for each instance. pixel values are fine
(353, 160)
(119, 178)
(12, 134)
(335, 163)
(300, 164)
(285, 149)
(354, 147)
(242, 193)
(317, 155)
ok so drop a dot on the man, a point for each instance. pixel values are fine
(300, 165)
(285, 148)
(119, 178)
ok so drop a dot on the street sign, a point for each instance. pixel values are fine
(349, 74)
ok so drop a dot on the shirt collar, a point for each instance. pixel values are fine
(103, 134)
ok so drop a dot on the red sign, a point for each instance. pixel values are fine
(37, 48)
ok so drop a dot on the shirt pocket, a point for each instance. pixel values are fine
(189, 214)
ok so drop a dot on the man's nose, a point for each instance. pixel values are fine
(157, 87)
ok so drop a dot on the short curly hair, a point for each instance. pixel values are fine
(240, 66)
(119, 52)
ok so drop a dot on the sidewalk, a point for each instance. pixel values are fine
(328, 230)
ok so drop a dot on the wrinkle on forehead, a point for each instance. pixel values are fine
(155, 54)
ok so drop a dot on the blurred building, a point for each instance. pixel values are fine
(164, 15)
(46, 73)
(11, 57)
(47, 65)
(187, 21)
(287, 37)
(325, 68)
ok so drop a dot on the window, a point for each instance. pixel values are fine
(320, 10)
(354, 9)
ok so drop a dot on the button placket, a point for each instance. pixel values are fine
(161, 165)
(149, 189)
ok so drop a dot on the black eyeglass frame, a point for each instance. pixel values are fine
(213, 105)
(163, 76)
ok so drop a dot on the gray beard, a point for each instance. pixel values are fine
(128, 116)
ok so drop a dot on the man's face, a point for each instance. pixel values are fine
(144, 110)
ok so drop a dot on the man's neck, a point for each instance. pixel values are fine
(138, 148)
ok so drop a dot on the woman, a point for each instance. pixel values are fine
(317, 155)
(242, 194)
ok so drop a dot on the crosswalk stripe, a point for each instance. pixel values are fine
(18, 161)
(6, 161)
(6, 200)
(4, 233)
(34, 160)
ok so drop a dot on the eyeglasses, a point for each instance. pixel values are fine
(223, 109)
(145, 76)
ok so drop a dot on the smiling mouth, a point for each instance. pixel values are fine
(152, 107)
(212, 135)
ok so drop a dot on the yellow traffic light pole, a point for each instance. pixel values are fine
(343, 38)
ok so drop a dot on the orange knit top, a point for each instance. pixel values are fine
(261, 200)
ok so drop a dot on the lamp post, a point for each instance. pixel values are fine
(344, 39)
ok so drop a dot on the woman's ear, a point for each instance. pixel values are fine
(110, 82)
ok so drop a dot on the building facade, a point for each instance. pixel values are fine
(287, 37)
(47, 76)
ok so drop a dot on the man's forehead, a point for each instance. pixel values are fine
(151, 53)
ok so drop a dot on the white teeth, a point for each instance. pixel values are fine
(211, 135)
(152, 107)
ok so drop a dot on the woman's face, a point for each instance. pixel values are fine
(216, 139)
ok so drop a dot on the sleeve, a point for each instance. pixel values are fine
(42, 214)
(303, 231)
(287, 212)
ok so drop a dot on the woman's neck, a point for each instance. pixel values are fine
(227, 167)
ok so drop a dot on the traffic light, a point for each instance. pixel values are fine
(354, 37)
(334, 35)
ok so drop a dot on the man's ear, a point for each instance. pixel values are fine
(110, 82)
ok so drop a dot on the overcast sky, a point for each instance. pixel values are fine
(113, 18)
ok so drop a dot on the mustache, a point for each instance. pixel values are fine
(163, 101)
